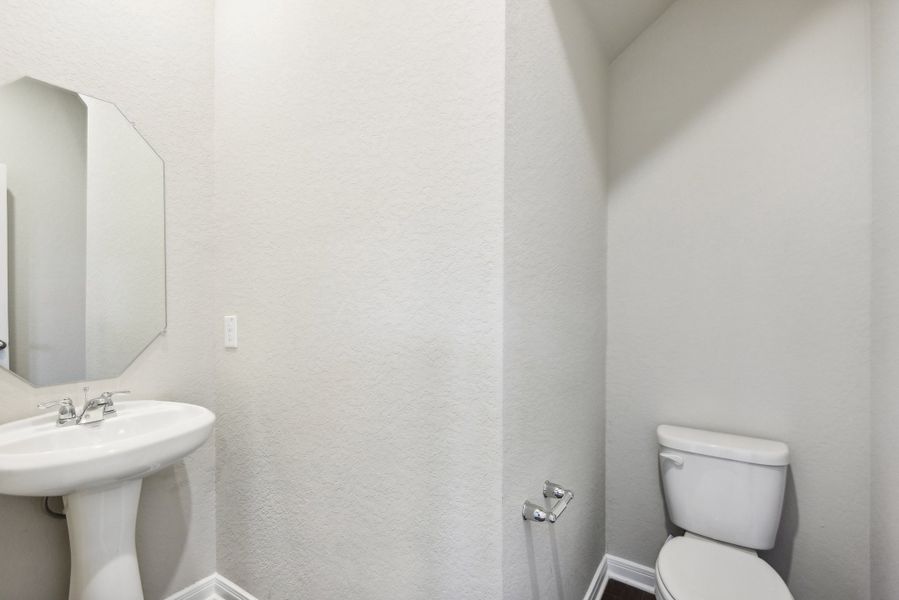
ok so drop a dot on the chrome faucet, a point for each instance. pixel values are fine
(94, 409)
(97, 409)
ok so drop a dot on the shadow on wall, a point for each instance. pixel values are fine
(165, 498)
(532, 560)
(536, 592)
(736, 37)
(571, 17)
(557, 563)
(29, 533)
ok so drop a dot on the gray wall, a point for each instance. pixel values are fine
(885, 302)
(739, 266)
(43, 141)
(155, 61)
(359, 184)
(554, 303)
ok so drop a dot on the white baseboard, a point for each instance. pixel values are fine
(625, 571)
(631, 573)
(217, 587)
(214, 587)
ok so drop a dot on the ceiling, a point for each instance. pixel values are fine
(619, 22)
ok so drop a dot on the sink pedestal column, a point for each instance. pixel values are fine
(101, 536)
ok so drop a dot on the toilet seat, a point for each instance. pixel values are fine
(691, 568)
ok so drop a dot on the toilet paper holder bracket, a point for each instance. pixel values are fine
(534, 512)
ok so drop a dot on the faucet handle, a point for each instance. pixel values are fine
(108, 407)
(63, 402)
(66, 414)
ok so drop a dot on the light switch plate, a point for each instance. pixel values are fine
(231, 331)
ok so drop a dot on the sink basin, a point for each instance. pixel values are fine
(98, 469)
(37, 458)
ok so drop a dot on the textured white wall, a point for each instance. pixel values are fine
(155, 61)
(360, 240)
(42, 140)
(125, 283)
(554, 302)
(739, 266)
(359, 184)
(885, 302)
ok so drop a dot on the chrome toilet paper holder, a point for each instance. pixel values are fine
(535, 512)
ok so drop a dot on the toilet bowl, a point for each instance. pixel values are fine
(726, 491)
(690, 568)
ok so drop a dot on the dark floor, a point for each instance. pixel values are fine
(618, 591)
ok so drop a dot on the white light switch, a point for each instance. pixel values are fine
(231, 332)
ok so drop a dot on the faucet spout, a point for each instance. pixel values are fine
(97, 409)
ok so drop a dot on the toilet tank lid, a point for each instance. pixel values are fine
(740, 448)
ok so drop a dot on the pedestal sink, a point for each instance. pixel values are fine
(98, 470)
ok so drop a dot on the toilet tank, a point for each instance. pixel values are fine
(726, 487)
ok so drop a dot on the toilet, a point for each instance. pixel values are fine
(726, 491)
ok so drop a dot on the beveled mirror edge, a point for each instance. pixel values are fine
(165, 256)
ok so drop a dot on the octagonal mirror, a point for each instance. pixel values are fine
(82, 236)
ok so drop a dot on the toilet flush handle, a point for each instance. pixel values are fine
(677, 459)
